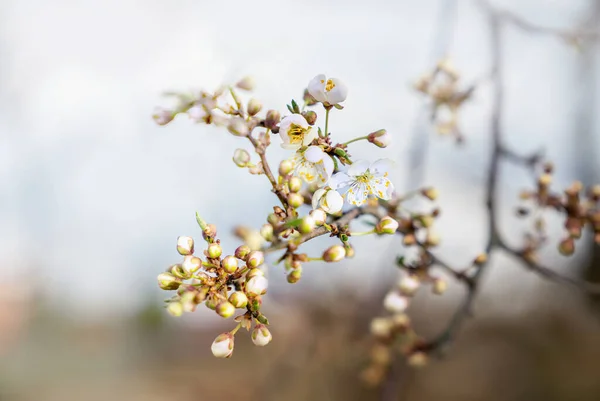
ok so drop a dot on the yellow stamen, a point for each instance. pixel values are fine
(330, 85)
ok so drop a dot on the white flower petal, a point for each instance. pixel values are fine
(314, 154)
(317, 197)
(309, 137)
(291, 146)
(381, 166)
(316, 88)
(338, 93)
(359, 167)
(394, 302)
(328, 165)
(340, 180)
(382, 188)
(357, 194)
(334, 201)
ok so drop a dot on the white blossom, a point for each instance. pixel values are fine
(222, 347)
(327, 199)
(257, 285)
(261, 335)
(364, 179)
(394, 302)
(313, 165)
(295, 132)
(327, 91)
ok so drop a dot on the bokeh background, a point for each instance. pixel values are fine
(93, 195)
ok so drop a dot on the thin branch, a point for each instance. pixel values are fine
(265, 164)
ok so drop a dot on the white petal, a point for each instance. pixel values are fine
(307, 171)
(309, 137)
(357, 194)
(334, 201)
(314, 154)
(297, 119)
(317, 197)
(381, 166)
(316, 88)
(382, 188)
(291, 146)
(340, 180)
(339, 92)
(328, 165)
(359, 167)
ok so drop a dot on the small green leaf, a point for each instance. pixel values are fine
(295, 107)
(201, 222)
(338, 106)
(290, 108)
(340, 152)
(344, 237)
(400, 261)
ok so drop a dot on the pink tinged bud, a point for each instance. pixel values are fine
(255, 259)
(567, 246)
(295, 200)
(241, 158)
(257, 285)
(163, 116)
(334, 253)
(319, 216)
(175, 309)
(295, 275)
(230, 264)
(273, 118)
(185, 245)
(307, 225)
(225, 309)
(285, 167)
(222, 347)
(253, 273)
(310, 116)
(430, 193)
(167, 281)
(266, 231)
(246, 83)
(380, 138)
(409, 285)
(386, 225)
(295, 184)
(238, 127)
(238, 299)
(242, 252)
(191, 264)
(394, 302)
(254, 106)
(261, 335)
(214, 251)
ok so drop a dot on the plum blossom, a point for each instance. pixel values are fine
(365, 179)
(327, 91)
(313, 165)
(295, 132)
(327, 199)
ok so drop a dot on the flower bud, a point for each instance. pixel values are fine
(295, 275)
(545, 180)
(381, 327)
(380, 138)
(310, 116)
(229, 264)
(261, 335)
(253, 273)
(432, 238)
(242, 252)
(439, 286)
(214, 250)
(198, 114)
(225, 309)
(257, 285)
(167, 281)
(417, 359)
(175, 309)
(295, 200)
(185, 245)
(295, 184)
(272, 119)
(386, 225)
(409, 285)
(241, 157)
(163, 116)
(255, 259)
(191, 264)
(480, 259)
(285, 167)
(222, 347)
(254, 106)
(334, 253)
(246, 83)
(400, 321)
(238, 299)
(211, 303)
(394, 302)
(209, 232)
(307, 225)
(319, 216)
(267, 232)
(567, 246)
(273, 219)
(177, 271)
(381, 355)
(430, 193)
(238, 127)
(349, 251)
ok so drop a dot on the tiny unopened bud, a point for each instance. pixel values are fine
(167, 281)
(285, 167)
(267, 232)
(225, 309)
(255, 259)
(238, 299)
(395, 302)
(177, 271)
(430, 193)
(307, 225)
(254, 272)
(222, 347)
(242, 252)
(241, 157)
(567, 246)
(319, 216)
(175, 308)
(211, 303)
(417, 359)
(386, 225)
(257, 285)
(295, 275)
(408, 285)
(400, 321)
(594, 192)
(310, 116)
(214, 250)
(229, 264)
(272, 119)
(480, 259)
(295, 184)
(439, 286)
(381, 327)
(185, 245)
(349, 251)
(308, 98)
(209, 232)
(254, 106)
(163, 116)
(432, 238)
(334, 253)
(261, 335)
(191, 264)
(238, 127)
(295, 200)
(246, 83)
(380, 138)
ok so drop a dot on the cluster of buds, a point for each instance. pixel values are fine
(442, 87)
(224, 284)
(579, 206)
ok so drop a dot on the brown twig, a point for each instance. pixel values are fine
(265, 164)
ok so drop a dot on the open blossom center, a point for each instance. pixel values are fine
(296, 133)
(329, 86)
